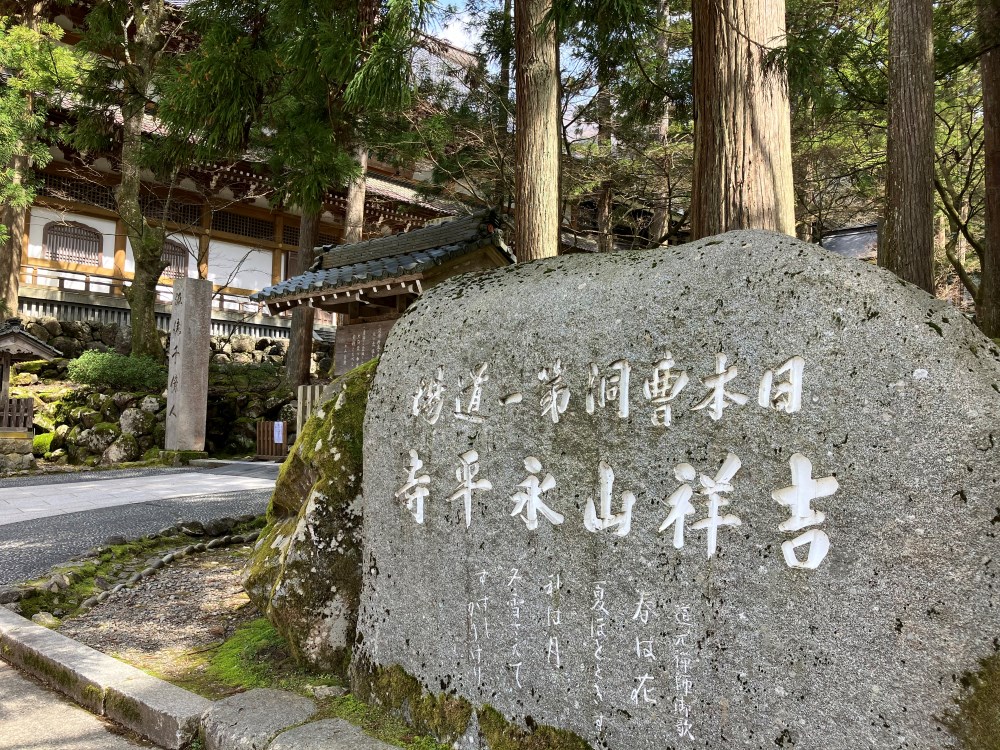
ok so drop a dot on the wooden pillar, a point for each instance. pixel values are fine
(5, 362)
(204, 239)
(277, 253)
(119, 262)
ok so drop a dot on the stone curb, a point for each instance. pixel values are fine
(157, 710)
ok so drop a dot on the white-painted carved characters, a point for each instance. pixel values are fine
(680, 503)
(555, 398)
(786, 394)
(528, 501)
(714, 488)
(415, 491)
(620, 522)
(466, 476)
(798, 499)
(718, 398)
(662, 388)
(643, 690)
(429, 399)
(474, 390)
(683, 679)
(611, 387)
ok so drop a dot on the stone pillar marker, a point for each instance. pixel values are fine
(187, 376)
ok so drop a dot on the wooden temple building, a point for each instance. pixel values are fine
(371, 283)
(17, 345)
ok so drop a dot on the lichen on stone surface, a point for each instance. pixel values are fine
(450, 718)
(305, 573)
(976, 719)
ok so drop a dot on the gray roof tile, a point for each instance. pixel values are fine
(404, 254)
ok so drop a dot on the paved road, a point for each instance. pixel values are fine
(33, 717)
(113, 503)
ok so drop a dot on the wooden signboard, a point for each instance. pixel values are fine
(359, 343)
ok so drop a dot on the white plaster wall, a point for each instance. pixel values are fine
(238, 266)
(42, 216)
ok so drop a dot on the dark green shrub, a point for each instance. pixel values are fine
(116, 372)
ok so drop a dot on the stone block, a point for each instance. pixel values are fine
(250, 720)
(741, 491)
(327, 735)
(159, 711)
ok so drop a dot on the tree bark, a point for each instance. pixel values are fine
(742, 153)
(988, 302)
(536, 183)
(659, 225)
(12, 217)
(146, 240)
(605, 192)
(354, 219)
(298, 361)
(907, 247)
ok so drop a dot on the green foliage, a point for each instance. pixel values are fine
(116, 372)
(42, 444)
(37, 70)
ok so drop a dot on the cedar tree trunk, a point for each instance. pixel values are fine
(146, 239)
(659, 225)
(907, 246)
(298, 361)
(742, 147)
(988, 303)
(354, 219)
(536, 182)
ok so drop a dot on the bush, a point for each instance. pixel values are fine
(116, 372)
(42, 444)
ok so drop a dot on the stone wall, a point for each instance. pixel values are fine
(72, 338)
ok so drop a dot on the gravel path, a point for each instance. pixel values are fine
(165, 624)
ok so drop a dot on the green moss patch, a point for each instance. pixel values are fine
(976, 720)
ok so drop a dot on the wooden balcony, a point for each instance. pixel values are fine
(16, 417)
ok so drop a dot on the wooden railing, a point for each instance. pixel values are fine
(18, 415)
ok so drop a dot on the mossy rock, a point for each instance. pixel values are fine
(306, 572)
(42, 444)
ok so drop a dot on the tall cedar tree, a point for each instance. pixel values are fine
(988, 300)
(743, 155)
(536, 174)
(907, 244)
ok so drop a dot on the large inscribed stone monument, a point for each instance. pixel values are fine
(740, 493)
(187, 376)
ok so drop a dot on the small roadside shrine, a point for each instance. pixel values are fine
(17, 345)
(372, 283)
(17, 414)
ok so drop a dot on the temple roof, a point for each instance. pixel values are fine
(21, 345)
(340, 268)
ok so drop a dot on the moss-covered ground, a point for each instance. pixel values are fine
(256, 656)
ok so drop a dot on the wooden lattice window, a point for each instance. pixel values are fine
(177, 256)
(71, 242)
(244, 226)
